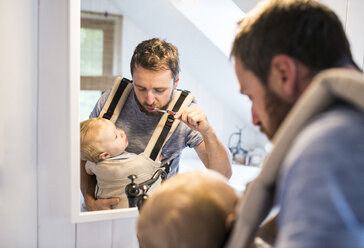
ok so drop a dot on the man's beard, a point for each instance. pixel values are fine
(142, 107)
(277, 110)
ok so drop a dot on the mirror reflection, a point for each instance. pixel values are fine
(143, 139)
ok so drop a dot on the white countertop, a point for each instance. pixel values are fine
(242, 174)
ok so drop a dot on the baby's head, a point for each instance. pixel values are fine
(101, 139)
(192, 209)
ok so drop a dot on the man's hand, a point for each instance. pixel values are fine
(100, 204)
(211, 151)
(195, 118)
(88, 184)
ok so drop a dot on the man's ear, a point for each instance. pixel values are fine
(104, 155)
(230, 218)
(176, 82)
(283, 77)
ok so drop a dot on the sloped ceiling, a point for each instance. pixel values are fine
(203, 32)
(246, 5)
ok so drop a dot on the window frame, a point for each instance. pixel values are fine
(111, 25)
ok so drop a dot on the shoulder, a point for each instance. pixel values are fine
(100, 104)
(329, 137)
(332, 141)
(325, 160)
(330, 145)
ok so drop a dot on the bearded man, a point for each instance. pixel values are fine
(293, 60)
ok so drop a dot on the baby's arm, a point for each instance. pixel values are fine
(88, 171)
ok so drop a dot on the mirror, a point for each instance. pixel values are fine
(111, 29)
(95, 58)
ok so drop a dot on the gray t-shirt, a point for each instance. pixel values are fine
(321, 185)
(139, 128)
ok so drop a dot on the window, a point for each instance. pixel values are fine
(100, 58)
(92, 44)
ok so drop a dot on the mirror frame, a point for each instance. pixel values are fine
(74, 80)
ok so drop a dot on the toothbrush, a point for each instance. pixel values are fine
(165, 111)
(169, 112)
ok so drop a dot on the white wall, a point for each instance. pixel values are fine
(54, 141)
(35, 151)
(18, 125)
(355, 30)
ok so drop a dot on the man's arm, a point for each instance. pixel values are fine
(88, 184)
(211, 151)
(214, 155)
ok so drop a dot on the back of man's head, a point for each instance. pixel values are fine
(302, 29)
(189, 210)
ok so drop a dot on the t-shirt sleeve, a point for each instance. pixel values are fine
(193, 139)
(89, 166)
(100, 103)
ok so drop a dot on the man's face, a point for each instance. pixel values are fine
(268, 109)
(153, 89)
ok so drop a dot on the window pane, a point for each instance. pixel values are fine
(91, 52)
(88, 100)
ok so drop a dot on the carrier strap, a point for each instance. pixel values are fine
(116, 99)
(167, 126)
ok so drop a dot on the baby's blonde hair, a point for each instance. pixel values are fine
(89, 140)
(188, 210)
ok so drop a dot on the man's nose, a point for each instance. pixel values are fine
(150, 98)
(255, 118)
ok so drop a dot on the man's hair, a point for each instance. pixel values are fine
(186, 211)
(302, 29)
(156, 55)
(90, 142)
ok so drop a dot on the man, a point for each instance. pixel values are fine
(279, 49)
(155, 71)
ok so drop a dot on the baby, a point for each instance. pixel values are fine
(103, 146)
(101, 139)
(192, 209)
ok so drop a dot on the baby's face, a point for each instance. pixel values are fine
(114, 140)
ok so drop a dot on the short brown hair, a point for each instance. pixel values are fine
(156, 55)
(90, 145)
(302, 29)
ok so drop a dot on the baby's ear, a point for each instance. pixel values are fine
(104, 155)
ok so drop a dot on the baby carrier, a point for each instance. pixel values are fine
(132, 178)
